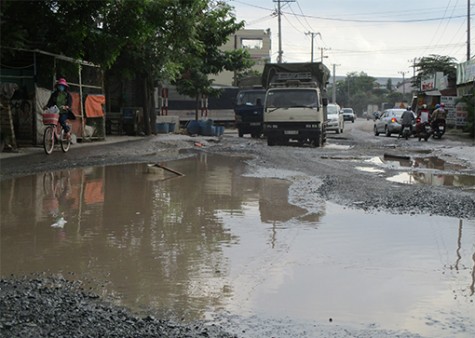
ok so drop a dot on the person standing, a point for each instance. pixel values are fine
(63, 100)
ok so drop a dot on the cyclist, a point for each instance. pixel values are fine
(63, 100)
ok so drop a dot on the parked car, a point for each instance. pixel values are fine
(335, 118)
(349, 115)
(389, 122)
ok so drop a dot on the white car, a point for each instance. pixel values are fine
(349, 115)
(335, 118)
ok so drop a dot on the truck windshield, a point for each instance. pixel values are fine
(251, 98)
(292, 98)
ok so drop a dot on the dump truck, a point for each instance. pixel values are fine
(295, 106)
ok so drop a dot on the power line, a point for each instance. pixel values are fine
(351, 19)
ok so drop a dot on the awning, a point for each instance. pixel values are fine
(433, 93)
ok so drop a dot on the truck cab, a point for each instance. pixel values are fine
(248, 111)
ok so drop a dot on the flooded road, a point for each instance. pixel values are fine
(230, 244)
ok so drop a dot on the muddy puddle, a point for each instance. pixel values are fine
(211, 240)
(421, 170)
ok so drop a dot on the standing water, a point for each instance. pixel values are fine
(219, 245)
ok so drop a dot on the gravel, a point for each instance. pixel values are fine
(41, 306)
(51, 306)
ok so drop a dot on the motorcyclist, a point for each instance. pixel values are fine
(438, 115)
(423, 117)
(407, 120)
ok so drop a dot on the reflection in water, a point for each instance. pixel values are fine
(155, 236)
(215, 240)
(428, 178)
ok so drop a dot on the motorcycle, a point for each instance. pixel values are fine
(405, 132)
(438, 128)
(423, 130)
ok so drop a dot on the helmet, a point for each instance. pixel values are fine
(62, 81)
(424, 106)
(442, 105)
(437, 106)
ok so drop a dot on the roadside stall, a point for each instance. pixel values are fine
(35, 72)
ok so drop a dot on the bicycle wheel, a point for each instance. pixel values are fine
(64, 141)
(48, 140)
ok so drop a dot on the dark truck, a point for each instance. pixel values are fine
(248, 111)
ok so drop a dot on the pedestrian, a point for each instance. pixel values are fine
(61, 98)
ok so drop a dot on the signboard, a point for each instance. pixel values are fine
(450, 103)
(294, 76)
(461, 114)
(434, 81)
(466, 72)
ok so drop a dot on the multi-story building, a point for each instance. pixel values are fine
(258, 44)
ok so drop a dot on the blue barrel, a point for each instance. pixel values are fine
(162, 128)
(207, 128)
(171, 127)
(219, 130)
(193, 127)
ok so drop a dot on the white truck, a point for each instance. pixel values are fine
(295, 107)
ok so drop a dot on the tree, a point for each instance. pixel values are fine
(429, 65)
(389, 85)
(355, 91)
(135, 39)
(60, 27)
(214, 26)
(155, 47)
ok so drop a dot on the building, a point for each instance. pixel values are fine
(257, 42)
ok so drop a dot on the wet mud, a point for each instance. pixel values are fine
(211, 238)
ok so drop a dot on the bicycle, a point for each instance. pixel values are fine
(54, 132)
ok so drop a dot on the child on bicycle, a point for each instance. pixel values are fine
(63, 100)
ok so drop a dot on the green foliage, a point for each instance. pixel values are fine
(429, 65)
(214, 26)
(354, 91)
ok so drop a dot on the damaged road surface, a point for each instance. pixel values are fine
(366, 237)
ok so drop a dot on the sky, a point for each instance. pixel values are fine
(381, 38)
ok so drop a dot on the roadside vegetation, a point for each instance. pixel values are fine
(150, 40)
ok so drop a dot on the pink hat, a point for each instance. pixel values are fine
(62, 81)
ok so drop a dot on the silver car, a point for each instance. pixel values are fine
(335, 118)
(389, 122)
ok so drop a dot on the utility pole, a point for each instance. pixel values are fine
(334, 84)
(312, 35)
(468, 30)
(403, 83)
(279, 13)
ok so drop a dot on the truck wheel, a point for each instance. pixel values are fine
(240, 133)
(318, 141)
(256, 135)
(270, 141)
